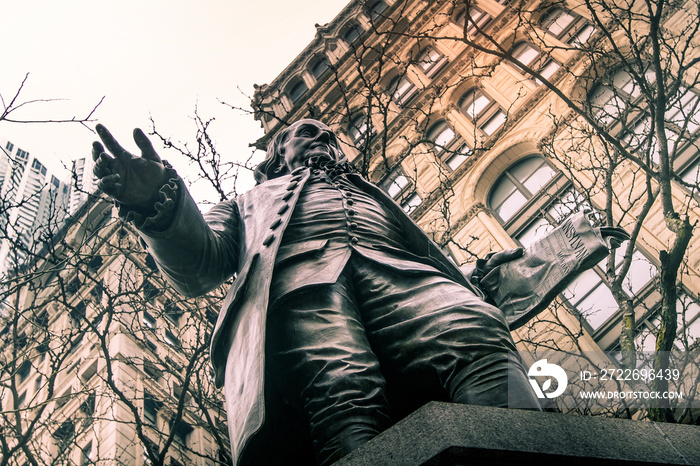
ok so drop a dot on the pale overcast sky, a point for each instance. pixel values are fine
(155, 58)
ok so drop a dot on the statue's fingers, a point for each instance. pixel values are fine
(506, 256)
(109, 141)
(97, 150)
(147, 150)
(109, 184)
(103, 166)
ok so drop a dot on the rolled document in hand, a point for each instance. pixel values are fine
(523, 287)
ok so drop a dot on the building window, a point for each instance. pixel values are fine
(352, 33)
(21, 399)
(518, 185)
(9, 146)
(172, 313)
(181, 431)
(472, 19)
(402, 190)
(24, 371)
(171, 339)
(451, 148)
(530, 199)
(567, 26)
(530, 56)
(151, 406)
(360, 130)
(401, 89)
(376, 10)
(78, 313)
(296, 90)
(150, 291)
(64, 435)
(148, 320)
(482, 110)
(319, 67)
(86, 455)
(619, 104)
(38, 384)
(691, 174)
(430, 61)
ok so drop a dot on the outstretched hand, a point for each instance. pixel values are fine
(131, 180)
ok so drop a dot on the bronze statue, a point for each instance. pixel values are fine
(343, 313)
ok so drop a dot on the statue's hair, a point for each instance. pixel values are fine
(274, 164)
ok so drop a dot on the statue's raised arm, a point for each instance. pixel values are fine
(131, 180)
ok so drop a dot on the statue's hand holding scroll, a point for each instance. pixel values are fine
(131, 180)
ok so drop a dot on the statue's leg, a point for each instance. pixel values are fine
(438, 335)
(324, 366)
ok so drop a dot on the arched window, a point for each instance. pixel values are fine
(518, 185)
(319, 67)
(297, 90)
(450, 147)
(531, 56)
(430, 61)
(352, 33)
(472, 19)
(401, 89)
(482, 110)
(530, 199)
(567, 26)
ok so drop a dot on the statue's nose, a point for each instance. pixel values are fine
(324, 136)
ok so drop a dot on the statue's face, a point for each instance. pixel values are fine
(307, 138)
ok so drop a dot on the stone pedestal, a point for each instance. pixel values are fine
(451, 434)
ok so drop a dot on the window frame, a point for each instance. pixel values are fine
(394, 89)
(430, 66)
(406, 194)
(471, 28)
(454, 149)
(539, 63)
(570, 33)
(486, 114)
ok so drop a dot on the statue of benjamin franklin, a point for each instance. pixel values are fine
(340, 303)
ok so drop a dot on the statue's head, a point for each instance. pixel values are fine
(291, 147)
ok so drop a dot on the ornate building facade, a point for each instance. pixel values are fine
(492, 121)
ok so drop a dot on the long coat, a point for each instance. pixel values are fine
(242, 236)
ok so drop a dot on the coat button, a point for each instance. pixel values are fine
(349, 202)
(351, 212)
(276, 223)
(292, 186)
(287, 195)
(353, 225)
(268, 240)
(354, 240)
(283, 209)
(297, 170)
